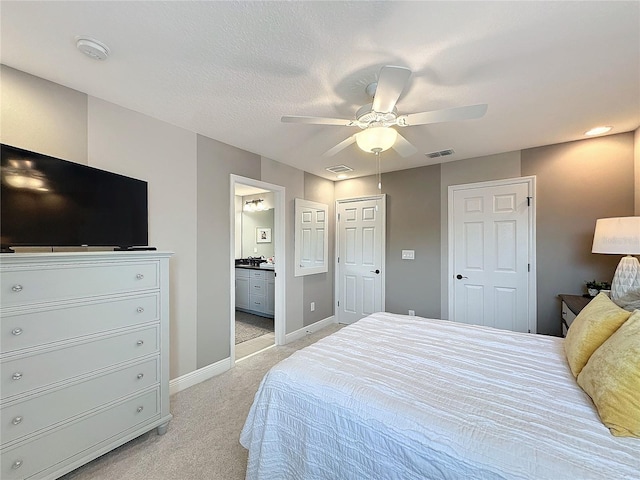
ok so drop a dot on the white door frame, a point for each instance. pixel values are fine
(279, 253)
(530, 181)
(383, 249)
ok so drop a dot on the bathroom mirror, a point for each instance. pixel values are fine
(311, 237)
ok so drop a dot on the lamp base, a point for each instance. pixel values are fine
(626, 279)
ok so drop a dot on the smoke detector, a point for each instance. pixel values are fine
(92, 48)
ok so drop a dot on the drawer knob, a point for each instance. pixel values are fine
(140, 342)
(139, 309)
(17, 288)
(139, 409)
(16, 331)
(139, 276)
(17, 420)
(16, 376)
(17, 464)
(140, 375)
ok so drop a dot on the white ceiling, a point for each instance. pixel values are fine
(229, 70)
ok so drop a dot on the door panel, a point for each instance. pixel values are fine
(368, 247)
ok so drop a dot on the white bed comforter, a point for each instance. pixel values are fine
(398, 397)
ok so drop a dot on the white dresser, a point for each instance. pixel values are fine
(84, 357)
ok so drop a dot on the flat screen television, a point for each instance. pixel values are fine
(46, 201)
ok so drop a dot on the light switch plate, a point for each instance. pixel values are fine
(408, 254)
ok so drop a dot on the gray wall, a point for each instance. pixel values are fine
(293, 180)
(319, 288)
(216, 161)
(413, 223)
(59, 130)
(577, 183)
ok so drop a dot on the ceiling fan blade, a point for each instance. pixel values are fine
(447, 115)
(341, 146)
(391, 82)
(317, 120)
(403, 147)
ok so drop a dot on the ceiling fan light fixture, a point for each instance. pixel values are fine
(376, 139)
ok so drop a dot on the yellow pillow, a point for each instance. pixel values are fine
(611, 378)
(593, 325)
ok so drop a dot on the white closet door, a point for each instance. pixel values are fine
(491, 229)
(360, 269)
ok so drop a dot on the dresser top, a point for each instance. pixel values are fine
(44, 257)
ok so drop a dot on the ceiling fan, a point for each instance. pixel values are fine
(376, 119)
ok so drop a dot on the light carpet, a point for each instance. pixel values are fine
(202, 441)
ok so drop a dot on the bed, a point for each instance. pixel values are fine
(399, 397)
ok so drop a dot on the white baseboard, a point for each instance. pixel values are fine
(205, 373)
(304, 331)
(193, 378)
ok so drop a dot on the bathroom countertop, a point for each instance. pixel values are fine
(254, 267)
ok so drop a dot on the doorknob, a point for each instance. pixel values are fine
(460, 277)
(376, 271)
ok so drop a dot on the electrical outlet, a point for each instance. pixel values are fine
(313, 306)
(412, 313)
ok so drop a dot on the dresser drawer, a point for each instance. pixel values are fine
(258, 274)
(243, 273)
(27, 372)
(257, 302)
(36, 412)
(567, 318)
(35, 285)
(257, 286)
(38, 327)
(74, 438)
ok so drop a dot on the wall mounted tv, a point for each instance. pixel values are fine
(46, 201)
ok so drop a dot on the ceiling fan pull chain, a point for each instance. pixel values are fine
(379, 174)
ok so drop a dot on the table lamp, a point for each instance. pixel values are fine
(620, 236)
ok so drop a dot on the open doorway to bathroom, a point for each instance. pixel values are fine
(258, 235)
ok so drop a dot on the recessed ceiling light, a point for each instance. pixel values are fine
(342, 176)
(598, 131)
(92, 48)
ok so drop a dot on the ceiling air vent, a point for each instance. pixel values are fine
(340, 169)
(441, 153)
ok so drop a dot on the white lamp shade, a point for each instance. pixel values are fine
(376, 139)
(619, 235)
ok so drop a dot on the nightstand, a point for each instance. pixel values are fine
(571, 307)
